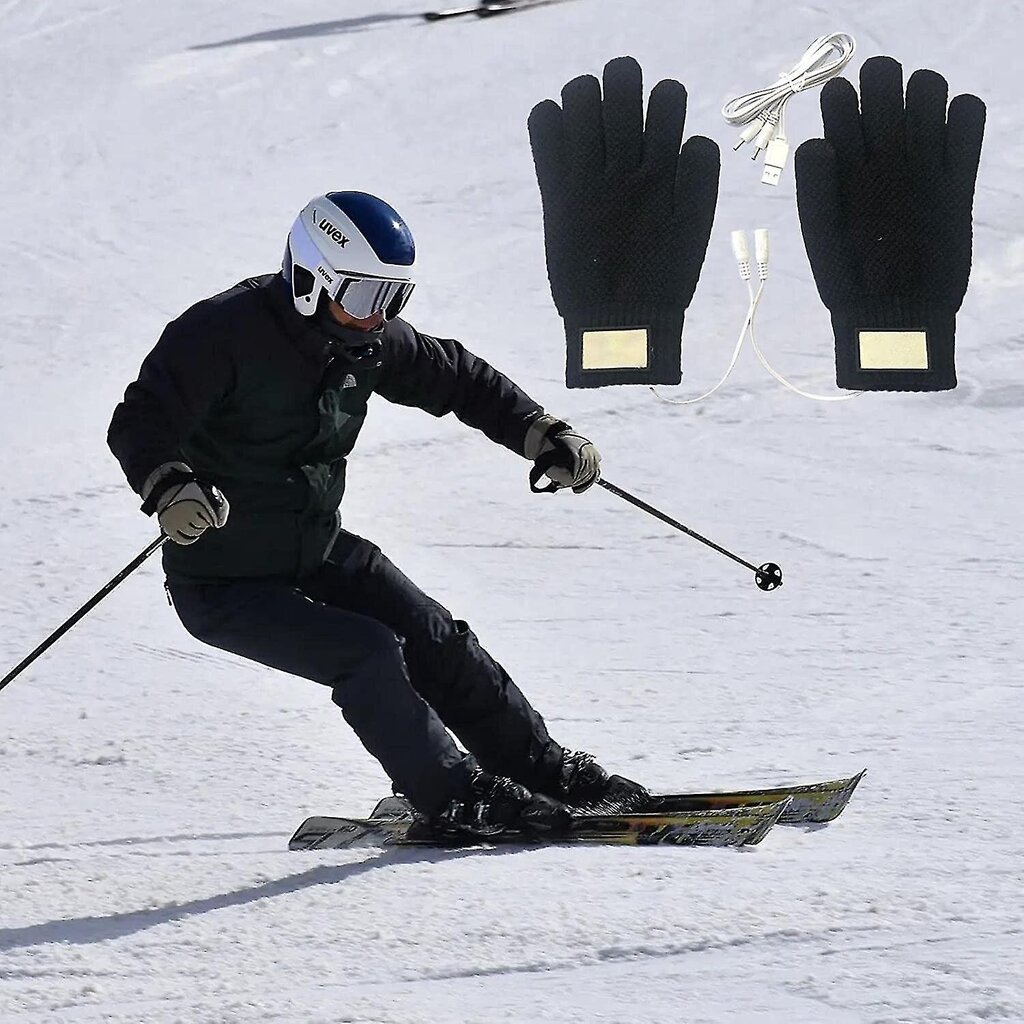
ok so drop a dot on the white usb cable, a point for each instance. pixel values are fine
(761, 254)
(741, 252)
(763, 112)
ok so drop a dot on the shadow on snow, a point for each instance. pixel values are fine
(320, 28)
(87, 930)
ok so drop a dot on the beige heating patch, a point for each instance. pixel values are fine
(615, 350)
(893, 350)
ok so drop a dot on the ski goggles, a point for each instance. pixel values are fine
(362, 297)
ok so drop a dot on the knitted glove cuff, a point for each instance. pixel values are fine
(623, 345)
(895, 344)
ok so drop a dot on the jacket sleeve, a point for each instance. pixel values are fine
(440, 376)
(183, 377)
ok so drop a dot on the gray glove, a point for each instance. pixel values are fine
(186, 507)
(567, 459)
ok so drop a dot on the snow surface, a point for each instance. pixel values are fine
(154, 153)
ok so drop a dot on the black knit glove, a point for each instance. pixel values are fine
(627, 216)
(885, 208)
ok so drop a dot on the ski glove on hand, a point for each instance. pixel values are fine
(567, 459)
(885, 208)
(627, 216)
(186, 507)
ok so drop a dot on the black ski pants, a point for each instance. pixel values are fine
(401, 669)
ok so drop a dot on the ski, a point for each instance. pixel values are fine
(811, 803)
(485, 10)
(728, 826)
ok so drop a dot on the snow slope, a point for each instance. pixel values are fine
(155, 153)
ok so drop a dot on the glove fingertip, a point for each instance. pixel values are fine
(881, 70)
(966, 118)
(927, 83)
(964, 134)
(970, 106)
(814, 152)
(581, 90)
(816, 169)
(663, 130)
(673, 90)
(669, 98)
(702, 150)
(625, 66)
(622, 81)
(546, 116)
(622, 75)
(838, 99)
(697, 173)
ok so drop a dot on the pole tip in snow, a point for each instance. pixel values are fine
(768, 576)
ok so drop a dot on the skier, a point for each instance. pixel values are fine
(236, 435)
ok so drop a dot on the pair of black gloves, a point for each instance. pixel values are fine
(885, 208)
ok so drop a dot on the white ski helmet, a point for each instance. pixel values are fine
(354, 248)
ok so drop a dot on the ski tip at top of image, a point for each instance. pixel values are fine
(486, 10)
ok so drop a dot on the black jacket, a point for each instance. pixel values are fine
(245, 390)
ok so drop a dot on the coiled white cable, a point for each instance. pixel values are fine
(763, 111)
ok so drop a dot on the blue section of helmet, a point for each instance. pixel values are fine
(389, 236)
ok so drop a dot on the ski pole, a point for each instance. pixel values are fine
(767, 576)
(85, 609)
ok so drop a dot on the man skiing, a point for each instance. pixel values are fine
(236, 435)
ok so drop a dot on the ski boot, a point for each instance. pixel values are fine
(494, 805)
(587, 788)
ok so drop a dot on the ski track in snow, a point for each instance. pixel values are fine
(155, 154)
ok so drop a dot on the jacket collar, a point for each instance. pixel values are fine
(300, 330)
(307, 336)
